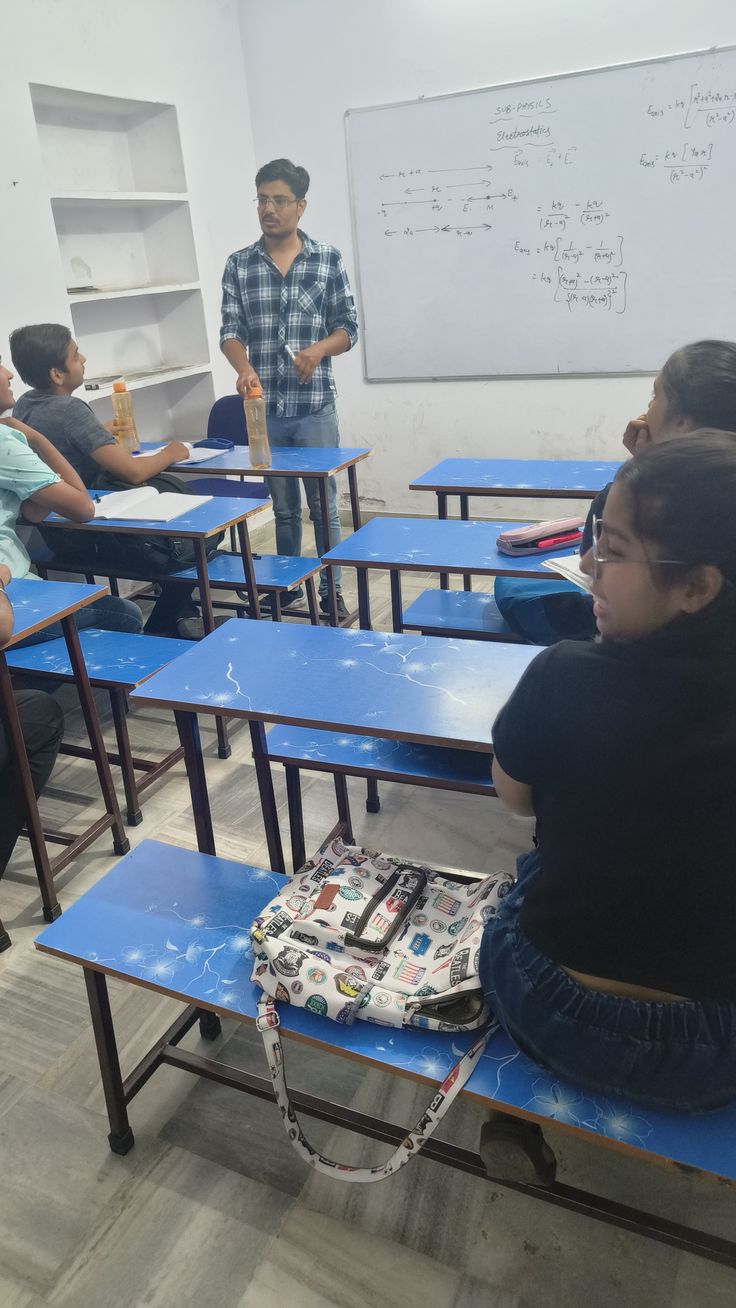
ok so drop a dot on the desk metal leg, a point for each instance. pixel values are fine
(11, 721)
(120, 842)
(121, 1137)
(312, 602)
(397, 611)
(249, 569)
(268, 799)
(442, 515)
(296, 816)
(354, 499)
(188, 728)
(119, 716)
(331, 589)
(208, 621)
(364, 599)
(467, 581)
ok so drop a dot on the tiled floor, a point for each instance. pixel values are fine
(212, 1207)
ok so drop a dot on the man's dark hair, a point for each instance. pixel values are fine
(36, 350)
(699, 383)
(283, 170)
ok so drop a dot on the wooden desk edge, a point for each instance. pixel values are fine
(159, 528)
(99, 593)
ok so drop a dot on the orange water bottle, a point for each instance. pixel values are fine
(126, 431)
(255, 421)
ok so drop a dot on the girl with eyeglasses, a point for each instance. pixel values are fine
(613, 960)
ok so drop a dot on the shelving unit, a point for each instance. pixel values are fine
(118, 196)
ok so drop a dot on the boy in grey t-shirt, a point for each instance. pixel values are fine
(49, 360)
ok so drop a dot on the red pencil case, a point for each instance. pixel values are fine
(542, 537)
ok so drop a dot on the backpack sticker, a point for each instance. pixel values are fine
(420, 944)
(289, 961)
(316, 1004)
(446, 904)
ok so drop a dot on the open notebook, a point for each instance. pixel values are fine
(569, 568)
(146, 504)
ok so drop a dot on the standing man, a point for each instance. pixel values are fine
(286, 310)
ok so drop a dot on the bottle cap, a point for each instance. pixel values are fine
(252, 392)
(119, 386)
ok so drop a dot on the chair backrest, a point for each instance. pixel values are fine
(227, 418)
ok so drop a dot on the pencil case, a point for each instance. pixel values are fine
(214, 443)
(542, 537)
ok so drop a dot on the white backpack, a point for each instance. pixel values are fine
(356, 935)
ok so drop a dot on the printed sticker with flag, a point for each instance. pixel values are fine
(409, 973)
(447, 904)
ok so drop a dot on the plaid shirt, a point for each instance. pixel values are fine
(266, 312)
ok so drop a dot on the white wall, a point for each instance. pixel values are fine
(306, 63)
(184, 52)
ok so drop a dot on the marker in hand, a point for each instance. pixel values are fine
(290, 353)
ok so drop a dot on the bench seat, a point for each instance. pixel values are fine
(458, 613)
(176, 922)
(391, 760)
(273, 571)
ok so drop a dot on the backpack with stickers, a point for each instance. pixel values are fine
(359, 936)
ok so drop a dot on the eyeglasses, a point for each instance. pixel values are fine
(600, 557)
(278, 201)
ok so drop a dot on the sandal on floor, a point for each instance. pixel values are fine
(512, 1150)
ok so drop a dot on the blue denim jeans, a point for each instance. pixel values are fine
(673, 1055)
(111, 613)
(318, 428)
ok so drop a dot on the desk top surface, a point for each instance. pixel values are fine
(202, 520)
(429, 689)
(432, 545)
(286, 461)
(178, 922)
(36, 604)
(567, 478)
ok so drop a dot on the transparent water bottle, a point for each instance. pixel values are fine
(126, 432)
(255, 421)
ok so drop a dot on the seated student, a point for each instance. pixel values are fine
(695, 388)
(49, 360)
(42, 724)
(35, 479)
(612, 961)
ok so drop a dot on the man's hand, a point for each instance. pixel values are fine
(636, 435)
(307, 360)
(178, 450)
(247, 377)
(6, 576)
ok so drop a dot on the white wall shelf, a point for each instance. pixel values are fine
(121, 211)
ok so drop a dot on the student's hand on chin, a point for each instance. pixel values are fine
(636, 435)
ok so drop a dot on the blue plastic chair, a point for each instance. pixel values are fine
(227, 418)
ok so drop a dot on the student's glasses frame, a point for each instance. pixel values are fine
(599, 557)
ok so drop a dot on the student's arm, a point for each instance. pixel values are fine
(6, 608)
(516, 795)
(234, 331)
(120, 462)
(40, 487)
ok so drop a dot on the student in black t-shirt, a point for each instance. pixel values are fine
(613, 962)
(696, 388)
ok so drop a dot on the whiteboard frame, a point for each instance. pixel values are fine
(453, 95)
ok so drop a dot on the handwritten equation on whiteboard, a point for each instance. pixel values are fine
(525, 197)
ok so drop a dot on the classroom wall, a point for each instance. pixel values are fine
(184, 52)
(306, 63)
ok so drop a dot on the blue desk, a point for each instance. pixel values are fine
(426, 545)
(177, 922)
(37, 605)
(310, 462)
(572, 479)
(427, 689)
(198, 525)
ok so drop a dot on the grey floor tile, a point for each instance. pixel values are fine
(319, 1262)
(184, 1231)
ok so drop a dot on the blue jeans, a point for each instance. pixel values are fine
(111, 613)
(673, 1055)
(318, 428)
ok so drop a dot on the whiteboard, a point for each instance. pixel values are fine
(582, 224)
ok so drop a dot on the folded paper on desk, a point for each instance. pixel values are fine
(196, 454)
(146, 504)
(570, 570)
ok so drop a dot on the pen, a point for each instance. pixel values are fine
(570, 537)
(290, 353)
